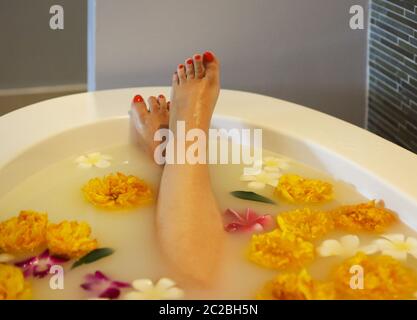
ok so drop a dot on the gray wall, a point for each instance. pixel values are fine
(298, 50)
(32, 54)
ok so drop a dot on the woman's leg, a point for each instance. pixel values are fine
(188, 220)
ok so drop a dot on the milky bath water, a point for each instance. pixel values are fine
(56, 190)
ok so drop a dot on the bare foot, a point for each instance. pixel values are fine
(195, 89)
(147, 121)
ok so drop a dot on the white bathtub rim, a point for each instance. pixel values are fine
(28, 126)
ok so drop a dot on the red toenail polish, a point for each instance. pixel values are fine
(180, 66)
(137, 99)
(198, 57)
(190, 61)
(161, 96)
(208, 56)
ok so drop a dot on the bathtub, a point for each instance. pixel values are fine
(41, 134)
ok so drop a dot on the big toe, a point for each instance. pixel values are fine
(211, 65)
(139, 108)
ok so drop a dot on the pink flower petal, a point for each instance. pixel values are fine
(39, 266)
(102, 286)
(235, 215)
(120, 284)
(249, 221)
(110, 293)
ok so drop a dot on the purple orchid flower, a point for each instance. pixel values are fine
(102, 286)
(249, 221)
(39, 266)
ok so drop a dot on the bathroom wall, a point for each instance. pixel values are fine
(298, 50)
(393, 71)
(36, 62)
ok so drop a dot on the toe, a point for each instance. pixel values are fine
(153, 104)
(189, 68)
(162, 101)
(211, 65)
(181, 73)
(198, 66)
(175, 79)
(139, 106)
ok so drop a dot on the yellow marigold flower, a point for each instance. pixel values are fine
(305, 223)
(296, 286)
(12, 284)
(278, 250)
(384, 279)
(70, 239)
(23, 234)
(297, 189)
(117, 191)
(363, 217)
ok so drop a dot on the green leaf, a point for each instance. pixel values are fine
(252, 196)
(93, 256)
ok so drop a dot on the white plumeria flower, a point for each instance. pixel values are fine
(262, 179)
(397, 246)
(275, 164)
(347, 246)
(95, 159)
(164, 289)
(259, 177)
(5, 257)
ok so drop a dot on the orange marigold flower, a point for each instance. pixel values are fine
(305, 223)
(12, 284)
(296, 286)
(298, 189)
(384, 278)
(70, 239)
(23, 234)
(278, 250)
(363, 217)
(117, 191)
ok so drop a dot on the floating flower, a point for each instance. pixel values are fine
(397, 246)
(164, 289)
(301, 190)
(363, 217)
(103, 287)
(305, 223)
(347, 246)
(296, 286)
(95, 159)
(275, 164)
(249, 221)
(12, 284)
(259, 178)
(39, 266)
(384, 278)
(278, 250)
(5, 257)
(70, 239)
(23, 234)
(117, 191)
